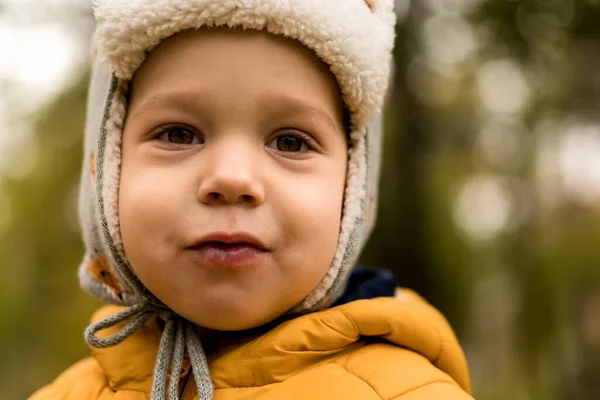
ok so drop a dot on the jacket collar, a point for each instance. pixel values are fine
(280, 353)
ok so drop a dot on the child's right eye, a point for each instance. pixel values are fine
(180, 135)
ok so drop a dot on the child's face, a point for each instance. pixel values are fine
(232, 136)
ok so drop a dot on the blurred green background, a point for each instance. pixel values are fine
(490, 190)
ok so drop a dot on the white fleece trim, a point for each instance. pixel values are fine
(346, 255)
(353, 37)
(112, 167)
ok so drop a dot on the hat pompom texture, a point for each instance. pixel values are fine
(354, 37)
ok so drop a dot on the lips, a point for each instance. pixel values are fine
(223, 249)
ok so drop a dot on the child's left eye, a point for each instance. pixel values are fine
(289, 143)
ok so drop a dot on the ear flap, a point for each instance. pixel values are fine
(98, 274)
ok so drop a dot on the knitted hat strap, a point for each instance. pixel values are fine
(177, 362)
(199, 363)
(141, 313)
(178, 335)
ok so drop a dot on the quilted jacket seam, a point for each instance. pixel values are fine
(412, 389)
(361, 379)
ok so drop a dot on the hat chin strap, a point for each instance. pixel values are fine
(177, 337)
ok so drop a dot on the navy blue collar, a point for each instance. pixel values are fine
(366, 283)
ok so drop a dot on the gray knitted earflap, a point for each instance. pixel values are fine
(354, 37)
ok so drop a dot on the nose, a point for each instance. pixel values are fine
(231, 177)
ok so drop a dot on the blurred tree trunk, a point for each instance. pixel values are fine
(398, 239)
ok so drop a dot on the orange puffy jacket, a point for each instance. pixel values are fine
(384, 348)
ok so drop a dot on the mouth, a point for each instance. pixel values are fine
(228, 250)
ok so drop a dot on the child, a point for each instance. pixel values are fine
(228, 188)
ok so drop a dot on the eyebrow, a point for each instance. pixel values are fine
(181, 100)
(286, 102)
(280, 103)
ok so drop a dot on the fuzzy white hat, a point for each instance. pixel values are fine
(354, 37)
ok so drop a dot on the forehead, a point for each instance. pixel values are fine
(213, 63)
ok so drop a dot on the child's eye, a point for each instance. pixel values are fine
(294, 143)
(180, 135)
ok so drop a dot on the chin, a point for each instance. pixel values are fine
(231, 319)
(231, 324)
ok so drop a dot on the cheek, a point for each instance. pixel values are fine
(312, 218)
(149, 208)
